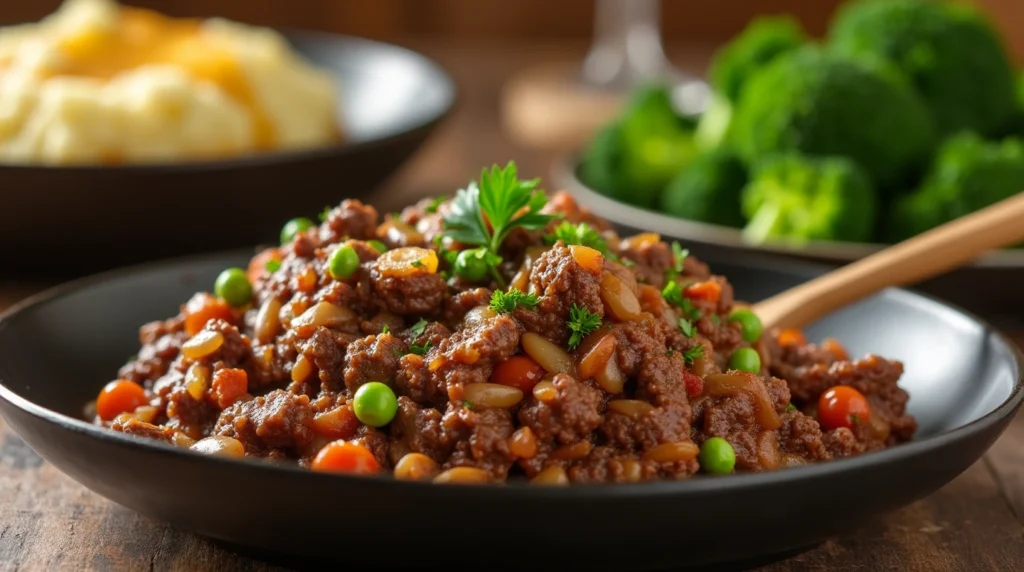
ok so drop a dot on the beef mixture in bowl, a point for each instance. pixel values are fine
(494, 336)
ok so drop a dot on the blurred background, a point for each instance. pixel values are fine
(485, 43)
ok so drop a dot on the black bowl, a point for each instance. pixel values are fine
(999, 272)
(100, 217)
(57, 349)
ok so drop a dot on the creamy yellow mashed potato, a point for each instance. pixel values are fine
(98, 83)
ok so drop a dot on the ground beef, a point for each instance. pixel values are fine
(351, 219)
(420, 294)
(373, 358)
(641, 413)
(278, 420)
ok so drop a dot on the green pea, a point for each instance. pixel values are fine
(233, 287)
(293, 227)
(378, 246)
(745, 359)
(749, 323)
(470, 264)
(717, 456)
(375, 404)
(343, 262)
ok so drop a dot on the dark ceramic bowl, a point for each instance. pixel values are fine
(70, 221)
(998, 274)
(59, 348)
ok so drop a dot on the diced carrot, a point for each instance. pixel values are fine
(709, 291)
(520, 372)
(345, 457)
(229, 385)
(835, 348)
(201, 309)
(792, 337)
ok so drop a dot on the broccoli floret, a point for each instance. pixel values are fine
(949, 51)
(795, 199)
(760, 42)
(820, 103)
(708, 189)
(968, 173)
(634, 158)
(713, 125)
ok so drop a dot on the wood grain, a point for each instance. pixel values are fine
(49, 522)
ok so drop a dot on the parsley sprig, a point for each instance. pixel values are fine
(420, 350)
(693, 354)
(484, 213)
(504, 302)
(419, 327)
(581, 323)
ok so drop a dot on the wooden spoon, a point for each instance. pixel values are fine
(918, 258)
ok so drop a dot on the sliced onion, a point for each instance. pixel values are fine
(595, 351)
(620, 301)
(550, 357)
(673, 452)
(730, 384)
(632, 408)
(491, 395)
(325, 314)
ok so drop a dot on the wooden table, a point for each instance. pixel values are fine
(49, 522)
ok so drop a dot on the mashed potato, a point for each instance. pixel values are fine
(97, 83)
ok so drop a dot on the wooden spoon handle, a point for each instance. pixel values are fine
(918, 258)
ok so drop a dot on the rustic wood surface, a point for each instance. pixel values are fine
(49, 522)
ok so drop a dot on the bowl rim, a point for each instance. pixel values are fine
(515, 489)
(449, 101)
(565, 170)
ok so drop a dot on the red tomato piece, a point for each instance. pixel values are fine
(709, 291)
(843, 406)
(520, 372)
(694, 384)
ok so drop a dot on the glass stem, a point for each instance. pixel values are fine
(627, 45)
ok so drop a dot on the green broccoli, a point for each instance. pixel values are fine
(759, 43)
(819, 103)
(794, 198)
(968, 173)
(636, 156)
(949, 52)
(708, 189)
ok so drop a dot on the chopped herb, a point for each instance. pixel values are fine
(686, 326)
(326, 213)
(273, 265)
(385, 329)
(679, 255)
(627, 262)
(855, 419)
(670, 353)
(420, 350)
(504, 302)
(432, 207)
(132, 358)
(689, 309)
(395, 217)
(581, 234)
(416, 264)
(693, 354)
(467, 404)
(484, 213)
(419, 327)
(672, 293)
(715, 319)
(790, 407)
(581, 322)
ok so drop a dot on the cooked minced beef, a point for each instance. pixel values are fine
(489, 392)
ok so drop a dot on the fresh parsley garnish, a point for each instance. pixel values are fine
(689, 309)
(679, 255)
(628, 263)
(273, 265)
(420, 350)
(686, 326)
(581, 234)
(504, 302)
(325, 214)
(790, 407)
(484, 213)
(419, 327)
(467, 404)
(416, 264)
(581, 322)
(716, 319)
(385, 329)
(693, 354)
(432, 207)
(855, 419)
